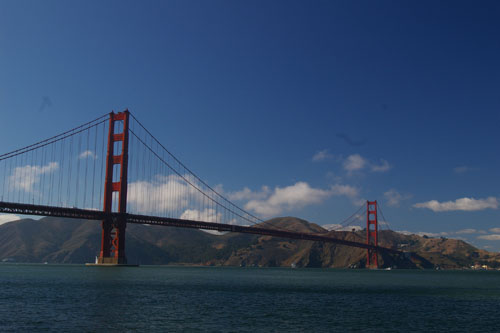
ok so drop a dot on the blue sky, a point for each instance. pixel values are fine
(324, 103)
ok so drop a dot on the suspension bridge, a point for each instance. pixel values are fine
(114, 170)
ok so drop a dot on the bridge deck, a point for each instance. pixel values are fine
(28, 209)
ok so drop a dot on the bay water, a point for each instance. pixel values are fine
(222, 299)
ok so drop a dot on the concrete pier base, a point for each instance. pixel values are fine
(111, 262)
(111, 265)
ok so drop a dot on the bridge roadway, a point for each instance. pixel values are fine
(88, 214)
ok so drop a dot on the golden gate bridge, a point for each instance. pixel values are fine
(114, 170)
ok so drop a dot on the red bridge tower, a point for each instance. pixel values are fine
(371, 234)
(115, 191)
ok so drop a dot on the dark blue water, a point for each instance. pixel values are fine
(95, 299)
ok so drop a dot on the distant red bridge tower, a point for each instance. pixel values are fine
(371, 234)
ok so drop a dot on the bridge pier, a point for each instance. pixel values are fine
(113, 230)
(113, 243)
(371, 234)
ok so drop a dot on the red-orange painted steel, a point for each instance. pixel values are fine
(113, 231)
(371, 234)
(76, 213)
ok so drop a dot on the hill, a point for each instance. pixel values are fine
(57, 240)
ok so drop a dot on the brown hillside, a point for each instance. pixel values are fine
(75, 241)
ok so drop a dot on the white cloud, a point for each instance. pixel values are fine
(467, 231)
(494, 237)
(164, 194)
(432, 234)
(463, 204)
(495, 230)
(357, 162)
(354, 163)
(460, 169)
(247, 194)
(331, 226)
(333, 177)
(339, 227)
(5, 218)
(297, 196)
(345, 190)
(207, 215)
(322, 155)
(394, 198)
(25, 177)
(424, 233)
(88, 154)
(348, 191)
(172, 195)
(382, 167)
